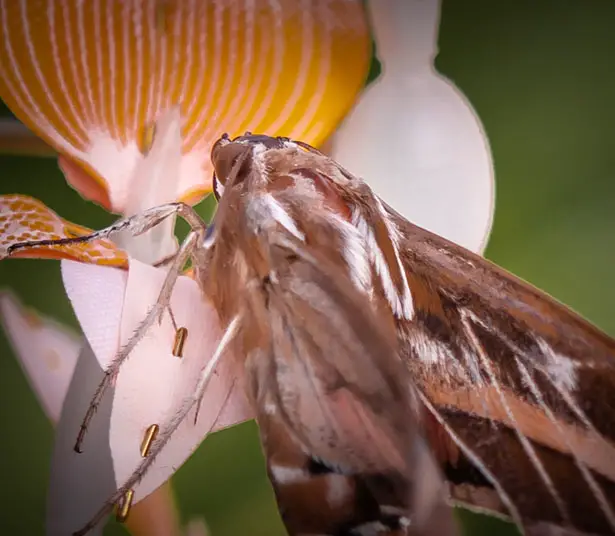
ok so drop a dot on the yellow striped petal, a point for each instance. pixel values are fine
(93, 77)
(25, 219)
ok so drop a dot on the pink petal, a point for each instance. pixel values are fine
(97, 296)
(80, 483)
(83, 182)
(414, 136)
(47, 352)
(153, 383)
(149, 389)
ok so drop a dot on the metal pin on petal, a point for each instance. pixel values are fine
(123, 508)
(180, 338)
(148, 439)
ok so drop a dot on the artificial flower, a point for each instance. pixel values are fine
(129, 157)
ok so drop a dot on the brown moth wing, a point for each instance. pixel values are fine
(334, 405)
(525, 382)
(520, 391)
(517, 389)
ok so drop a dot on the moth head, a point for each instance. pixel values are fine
(226, 153)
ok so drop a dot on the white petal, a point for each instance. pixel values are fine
(80, 483)
(155, 182)
(153, 383)
(235, 410)
(149, 389)
(47, 352)
(414, 137)
(97, 296)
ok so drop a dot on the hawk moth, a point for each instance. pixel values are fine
(379, 357)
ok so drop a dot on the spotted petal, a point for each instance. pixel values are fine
(92, 78)
(46, 350)
(25, 219)
(415, 137)
(149, 389)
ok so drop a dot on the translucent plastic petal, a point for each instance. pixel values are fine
(25, 219)
(413, 135)
(91, 78)
(47, 352)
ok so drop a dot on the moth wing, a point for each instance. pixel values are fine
(336, 408)
(524, 387)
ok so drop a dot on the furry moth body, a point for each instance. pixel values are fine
(372, 347)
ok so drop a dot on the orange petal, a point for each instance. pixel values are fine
(83, 182)
(91, 78)
(25, 219)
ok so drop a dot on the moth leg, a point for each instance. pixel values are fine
(145, 222)
(167, 429)
(153, 315)
(136, 225)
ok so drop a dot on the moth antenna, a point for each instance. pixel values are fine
(309, 148)
(166, 431)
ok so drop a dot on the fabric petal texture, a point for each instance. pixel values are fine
(154, 384)
(414, 137)
(93, 78)
(150, 388)
(96, 294)
(46, 350)
(25, 219)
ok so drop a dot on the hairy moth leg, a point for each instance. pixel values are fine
(136, 225)
(154, 314)
(168, 428)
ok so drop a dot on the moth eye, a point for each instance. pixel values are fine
(218, 188)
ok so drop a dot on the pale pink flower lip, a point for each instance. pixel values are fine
(150, 389)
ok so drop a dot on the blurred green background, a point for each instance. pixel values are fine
(541, 76)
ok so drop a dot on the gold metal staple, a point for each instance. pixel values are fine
(148, 439)
(123, 508)
(180, 338)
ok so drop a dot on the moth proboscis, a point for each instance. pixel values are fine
(323, 290)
